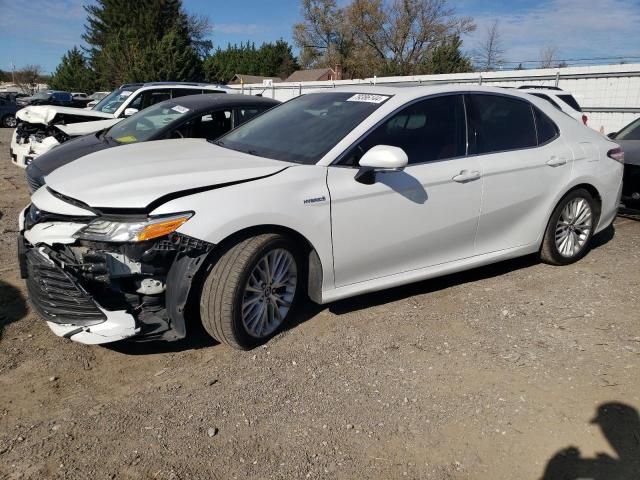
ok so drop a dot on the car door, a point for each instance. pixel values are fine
(524, 162)
(425, 215)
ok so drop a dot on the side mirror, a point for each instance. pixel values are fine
(130, 111)
(612, 135)
(381, 158)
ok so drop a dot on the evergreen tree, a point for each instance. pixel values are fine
(447, 58)
(73, 74)
(127, 40)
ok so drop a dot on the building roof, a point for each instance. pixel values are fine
(309, 75)
(242, 78)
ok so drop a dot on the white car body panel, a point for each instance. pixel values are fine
(85, 128)
(410, 225)
(44, 114)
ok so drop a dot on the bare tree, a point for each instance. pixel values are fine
(28, 78)
(490, 51)
(402, 33)
(548, 56)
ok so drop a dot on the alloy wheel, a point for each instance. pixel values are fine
(269, 293)
(573, 227)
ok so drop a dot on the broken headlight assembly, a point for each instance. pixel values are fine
(138, 230)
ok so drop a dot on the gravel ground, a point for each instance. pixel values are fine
(491, 374)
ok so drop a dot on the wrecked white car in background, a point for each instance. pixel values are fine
(40, 128)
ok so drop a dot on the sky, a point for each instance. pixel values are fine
(41, 31)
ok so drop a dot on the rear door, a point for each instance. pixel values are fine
(524, 162)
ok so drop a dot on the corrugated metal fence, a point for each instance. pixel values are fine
(608, 94)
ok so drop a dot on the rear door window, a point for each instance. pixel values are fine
(499, 123)
(243, 114)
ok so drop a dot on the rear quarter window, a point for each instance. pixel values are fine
(547, 130)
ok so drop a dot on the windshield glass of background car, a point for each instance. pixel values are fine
(630, 132)
(111, 102)
(143, 125)
(41, 96)
(304, 129)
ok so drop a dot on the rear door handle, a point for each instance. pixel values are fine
(556, 161)
(466, 176)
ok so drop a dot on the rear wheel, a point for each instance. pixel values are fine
(9, 121)
(251, 291)
(570, 229)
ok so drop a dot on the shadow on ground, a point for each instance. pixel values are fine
(13, 305)
(198, 338)
(620, 425)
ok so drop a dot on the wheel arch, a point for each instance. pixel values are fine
(313, 265)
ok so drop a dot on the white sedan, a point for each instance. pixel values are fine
(327, 196)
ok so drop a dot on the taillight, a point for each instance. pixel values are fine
(584, 119)
(616, 154)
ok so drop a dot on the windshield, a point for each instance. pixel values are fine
(41, 95)
(111, 102)
(304, 129)
(145, 124)
(630, 132)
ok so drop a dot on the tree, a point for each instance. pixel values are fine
(73, 74)
(447, 58)
(489, 54)
(28, 78)
(126, 40)
(548, 56)
(403, 33)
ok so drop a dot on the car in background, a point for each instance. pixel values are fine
(8, 109)
(629, 139)
(40, 128)
(95, 97)
(80, 99)
(329, 195)
(49, 97)
(558, 98)
(196, 116)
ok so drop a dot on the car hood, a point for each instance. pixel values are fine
(45, 114)
(631, 151)
(85, 128)
(139, 176)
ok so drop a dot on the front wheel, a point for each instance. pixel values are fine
(251, 291)
(9, 121)
(570, 229)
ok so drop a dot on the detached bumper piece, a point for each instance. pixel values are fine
(56, 296)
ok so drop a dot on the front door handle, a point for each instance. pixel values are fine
(556, 161)
(466, 176)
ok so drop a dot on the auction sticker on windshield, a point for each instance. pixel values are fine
(180, 109)
(367, 97)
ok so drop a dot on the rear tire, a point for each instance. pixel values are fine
(251, 291)
(570, 229)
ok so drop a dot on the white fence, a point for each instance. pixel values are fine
(608, 94)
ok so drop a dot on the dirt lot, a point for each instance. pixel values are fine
(491, 374)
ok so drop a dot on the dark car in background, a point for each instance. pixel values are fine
(629, 139)
(205, 116)
(8, 109)
(49, 97)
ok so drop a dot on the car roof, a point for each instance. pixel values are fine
(207, 101)
(174, 84)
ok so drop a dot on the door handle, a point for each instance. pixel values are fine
(466, 176)
(556, 161)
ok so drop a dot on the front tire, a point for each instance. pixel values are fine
(251, 291)
(9, 121)
(570, 229)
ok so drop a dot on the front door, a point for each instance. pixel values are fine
(422, 216)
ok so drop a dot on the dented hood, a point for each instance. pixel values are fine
(136, 176)
(45, 114)
(85, 128)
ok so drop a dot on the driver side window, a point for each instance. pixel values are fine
(432, 129)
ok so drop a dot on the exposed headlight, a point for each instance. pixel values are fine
(102, 230)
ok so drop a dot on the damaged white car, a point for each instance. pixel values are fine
(40, 128)
(326, 196)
